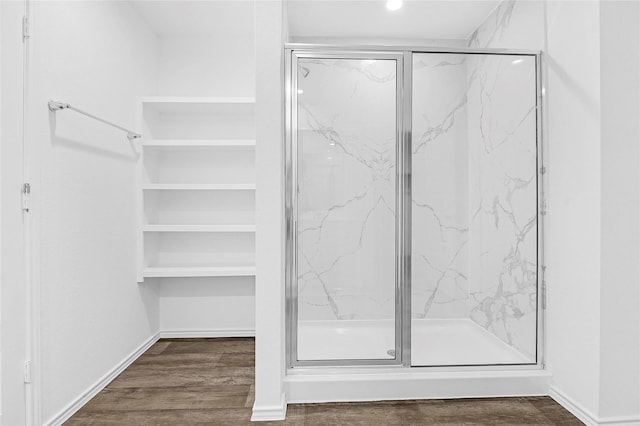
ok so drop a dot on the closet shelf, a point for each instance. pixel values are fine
(199, 186)
(173, 105)
(199, 228)
(201, 271)
(196, 144)
(186, 143)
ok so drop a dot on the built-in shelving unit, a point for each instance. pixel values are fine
(197, 187)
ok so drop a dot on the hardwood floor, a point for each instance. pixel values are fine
(210, 381)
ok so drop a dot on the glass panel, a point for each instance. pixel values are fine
(346, 177)
(474, 205)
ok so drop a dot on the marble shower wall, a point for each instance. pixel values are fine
(440, 234)
(346, 189)
(495, 25)
(474, 233)
(474, 191)
(502, 248)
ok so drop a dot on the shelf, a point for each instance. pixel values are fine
(173, 105)
(199, 271)
(197, 176)
(199, 187)
(160, 100)
(186, 143)
(199, 207)
(199, 228)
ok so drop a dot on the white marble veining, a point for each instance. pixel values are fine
(474, 194)
(474, 230)
(346, 189)
(503, 199)
(494, 26)
(439, 187)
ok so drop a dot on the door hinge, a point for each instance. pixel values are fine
(543, 208)
(543, 170)
(26, 190)
(27, 372)
(543, 286)
(26, 33)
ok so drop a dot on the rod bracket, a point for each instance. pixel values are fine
(57, 106)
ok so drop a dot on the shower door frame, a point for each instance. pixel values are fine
(404, 75)
(291, 179)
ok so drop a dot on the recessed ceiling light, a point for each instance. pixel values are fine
(394, 4)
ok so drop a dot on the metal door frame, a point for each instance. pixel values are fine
(403, 55)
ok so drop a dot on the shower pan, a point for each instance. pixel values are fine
(414, 227)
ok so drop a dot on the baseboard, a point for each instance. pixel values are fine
(620, 421)
(270, 413)
(585, 416)
(93, 390)
(358, 384)
(185, 334)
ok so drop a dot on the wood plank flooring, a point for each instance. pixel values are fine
(210, 381)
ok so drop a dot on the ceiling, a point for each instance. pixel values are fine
(347, 19)
(417, 19)
(224, 18)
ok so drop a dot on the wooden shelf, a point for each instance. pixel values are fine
(199, 187)
(187, 143)
(199, 271)
(199, 228)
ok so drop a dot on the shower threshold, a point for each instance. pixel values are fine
(435, 342)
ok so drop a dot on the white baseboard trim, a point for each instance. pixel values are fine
(392, 384)
(585, 416)
(186, 334)
(270, 413)
(93, 390)
(620, 421)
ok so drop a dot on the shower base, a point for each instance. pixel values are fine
(434, 342)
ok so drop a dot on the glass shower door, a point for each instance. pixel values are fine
(474, 210)
(345, 111)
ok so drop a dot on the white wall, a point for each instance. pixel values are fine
(13, 308)
(620, 285)
(270, 334)
(196, 65)
(98, 56)
(574, 182)
(201, 307)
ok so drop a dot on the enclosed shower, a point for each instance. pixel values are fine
(414, 228)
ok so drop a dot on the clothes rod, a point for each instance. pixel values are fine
(57, 106)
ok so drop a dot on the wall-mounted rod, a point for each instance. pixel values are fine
(57, 106)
